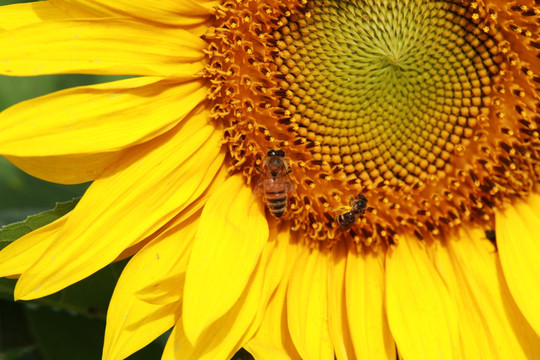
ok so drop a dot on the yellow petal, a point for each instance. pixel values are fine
(185, 12)
(102, 46)
(307, 305)
(272, 340)
(222, 339)
(272, 273)
(23, 252)
(231, 237)
(517, 230)
(66, 169)
(143, 191)
(370, 333)
(159, 292)
(132, 250)
(17, 15)
(96, 119)
(199, 200)
(421, 314)
(491, 326)
(340, 333)
(133, 322)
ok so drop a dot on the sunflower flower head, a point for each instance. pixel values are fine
(321, 178)
(411, 104)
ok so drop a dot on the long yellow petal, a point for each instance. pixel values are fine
(67, 169)
(370, 333)
(23, 252)
(102, 46)
(171, 12)
(158, 292)
(133, 322)
(491, 326)
(147, 187)
(232, 234)
(272, 273)
(517, 230)
(197, 201)
(307, 305)
(214, 342)
(340, 333)
(99, 118)
(421, 314)
(17, 15)
(272, 340)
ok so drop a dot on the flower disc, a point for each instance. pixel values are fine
(398, 101)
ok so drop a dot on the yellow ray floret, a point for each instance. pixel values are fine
(272, 340)
(132, 321)
(517, 237)
(214, 343)
(111, 46)
(422, 317)
(170, 12)
(366, 314)
(339, 329)
(227, 247)
(98, 118)
(17, 15)
(307, 305)
(489, 321)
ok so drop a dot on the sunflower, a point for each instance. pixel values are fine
(405, 134)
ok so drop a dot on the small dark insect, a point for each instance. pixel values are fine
(275, 184)
(357, 206)
(490, 235)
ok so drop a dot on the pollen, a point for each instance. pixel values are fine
(427, 109)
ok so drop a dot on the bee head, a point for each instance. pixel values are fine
(278, 152)
(359, 203)
(275, 162)
(275, 166)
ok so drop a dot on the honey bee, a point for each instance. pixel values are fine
(275, 184)
(357, 206)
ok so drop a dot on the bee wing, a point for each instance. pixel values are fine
(341, 210)
(290, 186)
(259, 188)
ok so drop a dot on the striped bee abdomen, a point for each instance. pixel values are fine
(277, 202)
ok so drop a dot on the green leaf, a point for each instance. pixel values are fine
(9, 233)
